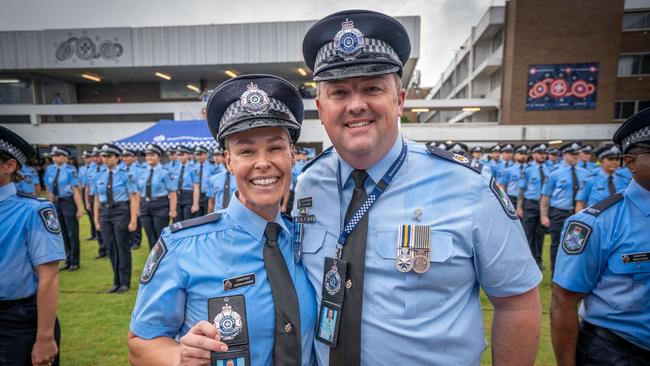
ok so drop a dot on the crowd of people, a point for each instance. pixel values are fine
(387, 247)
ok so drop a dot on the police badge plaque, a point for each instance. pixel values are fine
(329, 321)
(228, 314)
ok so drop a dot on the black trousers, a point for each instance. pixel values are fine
(513, 199)
(18, 325)
(67, 210)
(115, 230)
(155, 217)
(135, 237)
(184, 206)
(89, 211)
(103, 247)
(600, 347)
(203, 205)
(557, 218)
(534, 229)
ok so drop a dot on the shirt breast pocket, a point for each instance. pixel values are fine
(630, 285)
(394, 294)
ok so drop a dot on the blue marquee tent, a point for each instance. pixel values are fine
(168, 133)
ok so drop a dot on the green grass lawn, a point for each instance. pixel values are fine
(94, 324)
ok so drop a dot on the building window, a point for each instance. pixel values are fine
(625, 109)
(633, 65)
(495, 79)
(636, 20)
(643, 104)
(496, 40)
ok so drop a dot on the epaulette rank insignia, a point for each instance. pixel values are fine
(475, 165)
(601, 206)
(178, 226)
(325, 152)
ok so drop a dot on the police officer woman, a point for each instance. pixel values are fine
(32, 245)
(158, 195)
(116, 212)
(240, 258)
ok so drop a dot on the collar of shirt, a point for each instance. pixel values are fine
(639, 196)
(603, 174)
(7, 191)
(250, 221)
(60, 166)
(114, 170)
(377, 171)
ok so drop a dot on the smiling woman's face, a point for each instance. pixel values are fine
(261, 160)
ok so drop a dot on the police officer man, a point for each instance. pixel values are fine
(604, 182)
(477, 152)
(217, 160)
(605, 264)
(31, 248)
(553, 161)
(404, 235)
(89, 163)
(89, 195)
(559, 194)
(511, 176)
(530, 192)
(132, 166)
(63, 190)
(29, 183)
(259, 118)
(204, 170)
(172, 162)
(187, 185)
(585, 158)
(495, 161)
(158, 195)
(116, 213)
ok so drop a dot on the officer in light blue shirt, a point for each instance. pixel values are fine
(425, 230)
(511, 177)
(89, 196)
(116, 212)
(30, 236)
(30, 183)
(585, 158)
(204, 170)
(495, 162)
(530, 192)
(559, 194)
(217, 160)
(553, 161)
(187, 185)
(158, 195)
(605, 182)
(173, 162)
(245, 250)
(222, 186)
(476, 153)
(132, 166)
(604, 267)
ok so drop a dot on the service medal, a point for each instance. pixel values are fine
(229, 323)
(421, 264)
(404, 262)
(333, 280)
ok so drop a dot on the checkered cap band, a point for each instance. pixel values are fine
(540, 148)
(237, 111)
(327, 54)
(56, 150)
(642, 135)
(142, 145)
(110, 150)
(13, 151)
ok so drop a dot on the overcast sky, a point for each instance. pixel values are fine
(445, 24)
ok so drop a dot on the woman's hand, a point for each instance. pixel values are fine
(197, 344)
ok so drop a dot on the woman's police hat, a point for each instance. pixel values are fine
(15, 146)
(153, 149)
(254, 101)
(634, 131)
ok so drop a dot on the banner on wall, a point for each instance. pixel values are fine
(88, 47)
(562, 86)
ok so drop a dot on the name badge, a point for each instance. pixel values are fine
(333, 293)
(228, 314)
(241, 281)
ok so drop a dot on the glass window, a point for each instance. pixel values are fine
(636, 20)
(496, 40)
(633, 65)
(623, 110)
(643, 104)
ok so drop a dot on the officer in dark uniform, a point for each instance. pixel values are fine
(63, 190)
(187, 185)
(116, 213)
(158, 195)
(604, 269)
(204, 170)
(32, 246)
(132, 166)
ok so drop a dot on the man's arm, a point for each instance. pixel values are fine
(134, 205)
(196, 195)
(172, 204)
(210, 204)
(87, 196)
(96, 212)
(45, 349)
(515, 328)
(580, 205)
(76, 195)
(157, 351)
(543, 210)
(564, 324)
(520, 202)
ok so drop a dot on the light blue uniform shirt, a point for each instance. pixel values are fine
(190, 176)
(596, 189)
(511, 177)
(559, 186)
(30, 180)
(625, 173)
(30, 235)
(531, 181)
(162, 182)
(589, 165)
(197, 261)
(296, 171)
(123, 184)
(433, 318)
(208, 171)
(495, 166)
(553, 165)
(68, 179)
(172, 165)
(134, 169)
(82, 175)
(216, 186)
(91, 177)
(618, 291)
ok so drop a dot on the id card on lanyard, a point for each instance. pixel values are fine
(335, 270)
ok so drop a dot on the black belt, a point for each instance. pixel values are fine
(114, 205)
(533, 201)
(155, 199)
(561, 210)
(61, 199)
(6, 304)
(615, 339)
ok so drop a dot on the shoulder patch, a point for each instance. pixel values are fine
(325, 152)
(475, 165)
(507, 206)
(155, 256)
(598, 208)
(51, 222)
(197, 221)
(576, 237)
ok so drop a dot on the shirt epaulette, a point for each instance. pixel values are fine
(456, 158)
(197, 221)
(603, 205)
(28, 195)
(325, 152)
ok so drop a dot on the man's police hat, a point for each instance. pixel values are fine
(95, 151)
(553, 151)
(495, 148)
(507, 148)
(457, 148)
(59, 151)
(111, 149)
(477, 149)
(171, 150)
(15, 146)
(355, 43)
(198, 149)
(634, 131)
(587, 149)
(153, 149)
(539, 148)
(183, 149)
(217, 151)
(128, 152)
(253, 101)
(85, 154)
(608, 151)
(570, 148)
(522, 149)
